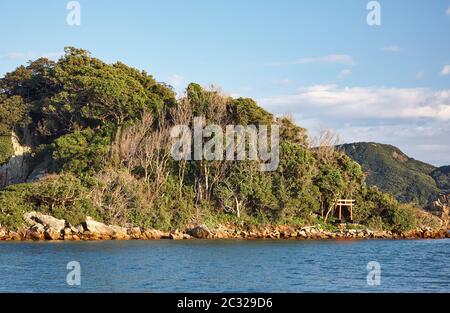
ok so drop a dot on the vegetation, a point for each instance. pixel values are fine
(442, 177)
(103, 132)
(393, 172)
(6, 149)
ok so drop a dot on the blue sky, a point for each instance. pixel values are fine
(318, 60)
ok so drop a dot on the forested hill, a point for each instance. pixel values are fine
(394, 172)
(80, 137)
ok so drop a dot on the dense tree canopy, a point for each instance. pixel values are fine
(103, 131)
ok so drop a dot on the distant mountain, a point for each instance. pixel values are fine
(394, 172)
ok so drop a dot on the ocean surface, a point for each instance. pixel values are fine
(227, 266)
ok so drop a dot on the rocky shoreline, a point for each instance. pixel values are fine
(45, 227)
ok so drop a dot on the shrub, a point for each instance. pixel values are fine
(14, 203)
(120, 197)
(404, 218)
(82, 152)
(6, 149)
(65, 197)
(62, 196)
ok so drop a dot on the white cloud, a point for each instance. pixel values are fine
(392, 48)
(282, 82)
(30, 55)
(414, 119)
(365, 102)
(343, 59)
(448, 11)
(175, 80)
(445, 70)
(344, 73)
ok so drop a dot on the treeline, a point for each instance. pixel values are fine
(102, 134)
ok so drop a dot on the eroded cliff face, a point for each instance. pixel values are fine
(17, 169)
(441, 208)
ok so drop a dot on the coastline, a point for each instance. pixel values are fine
(47, 228)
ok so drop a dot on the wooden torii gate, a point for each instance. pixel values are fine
(345, 203)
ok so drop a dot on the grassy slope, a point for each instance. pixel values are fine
(394, 172)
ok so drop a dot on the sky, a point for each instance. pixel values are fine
(318, 60)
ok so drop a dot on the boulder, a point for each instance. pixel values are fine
(67, 231)
(220, 234)
(151, 234)
(97, 229)
(3, 233)
(35, 232)
(287, 232)
(199, 232)
(275, 234)
(165, 235)
(333, 235)
(87, 235)
(52, 234)
(176, 235)
(119, 233)
(79, 229)
(302, 234)
(135, 233)
(47, 221)
(243, 234)
(12, 235)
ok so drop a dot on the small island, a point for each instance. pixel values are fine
(86, 154)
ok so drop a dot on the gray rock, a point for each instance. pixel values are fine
(47, 221)
(3, 233)
(200, 232)
(79, 229)
(97, 228)
(52, 234)
(35, 232)
(119, 232)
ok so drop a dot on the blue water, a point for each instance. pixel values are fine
(226, 266)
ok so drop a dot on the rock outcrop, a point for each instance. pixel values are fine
(200, 232)
(3, 233)
(47, 221)
(45, 227)
(97, 228)
(16, 169)
(441, 208)
(93, 230)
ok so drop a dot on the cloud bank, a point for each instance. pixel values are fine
(414, 119)
(366, 102)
